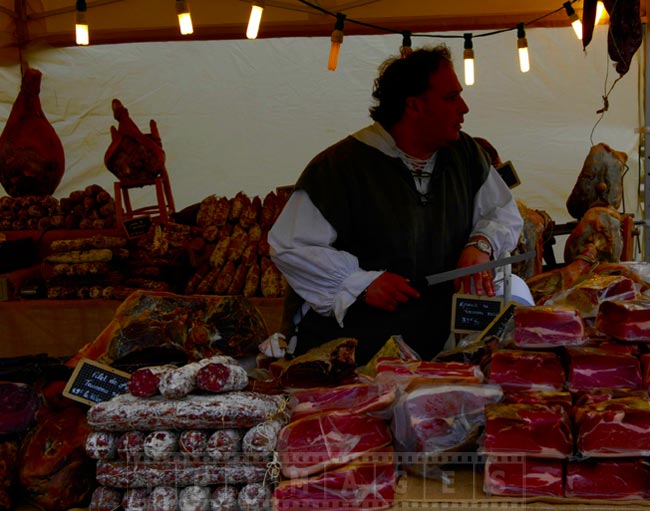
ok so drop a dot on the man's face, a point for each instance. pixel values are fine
(442, 109)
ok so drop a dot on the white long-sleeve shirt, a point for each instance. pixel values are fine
(330, 280)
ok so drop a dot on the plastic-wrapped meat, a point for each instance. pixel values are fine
(563, 399)
(548, 327)
(224, 498)
(410, 373)
(220, 377)
(101, 445)
(523, 476)
(361, 397)
(144, 380)
(160, 445)
(262, 438)
(193, 442)
(357, 485)
(130, 445)
(317, 442)
(442, 418)
(254, 497)
(626, 320)
(105, 499)
(528, 430)
(645, 368)
(194, 498)
(135, 499)
(223, 444)
(524, 369)
(163, 498)
(227, 410)
(18, 405)
(608, 479)
(592, 368)
(613, 428)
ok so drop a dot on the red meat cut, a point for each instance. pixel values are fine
(608, 479)
(626, 320)
(521, 369)
(593, 368)
(309, 445)
(523, 476)
(410, 373)
(548, 327)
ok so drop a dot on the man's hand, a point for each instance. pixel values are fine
(389, 290)
(483, 281)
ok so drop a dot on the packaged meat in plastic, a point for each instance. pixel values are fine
(361, 397)
(523, 476)
(441, 418)
(546, 326)
(408, 374)
(311, 444)
(366, 485)
(536, 397)
(624, 479)
(593, 368)
(613, 428)
(18, 405)
(590, 292)
(645, 370)
(542, 431)
(524, 369)
(626, 320)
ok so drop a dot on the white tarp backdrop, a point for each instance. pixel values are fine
(248, 115)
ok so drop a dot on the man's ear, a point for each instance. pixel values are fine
(413, 104)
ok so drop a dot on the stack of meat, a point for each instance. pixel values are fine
(575, 421)
(336, 452)
(186, 438)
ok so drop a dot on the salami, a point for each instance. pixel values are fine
(224, 498)
(163, 498)
(135, 499)
(181, 381)
(194, 498)
(223, 444)
(101, 445)
(130, 445)
(161, 445)
(193, 442)
(261, 439)
(254, 497)
(219, 377)
(175, 472)
(241, 409)
(105, 499)
(144, 381)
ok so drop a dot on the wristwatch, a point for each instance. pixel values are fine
(482, 244)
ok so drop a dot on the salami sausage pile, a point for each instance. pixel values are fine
(185, 438)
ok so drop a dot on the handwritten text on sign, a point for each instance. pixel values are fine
(472, 313)
(92, 382)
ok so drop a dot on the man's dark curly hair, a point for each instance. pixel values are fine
(402, 78)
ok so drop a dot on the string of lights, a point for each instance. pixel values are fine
(257, 9)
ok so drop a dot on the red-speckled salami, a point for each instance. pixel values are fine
(101, 445)
(177, 472)
(194, 498)
(144, 381)
(193, 442)
(224, 498)
(223, 444)
(160, 445)
(135, 499)
(105, 499)
(181, 381)
(219, 377)
(239, 409)
(254, 497)
(130, 445)
(262, 437)
(163, 498)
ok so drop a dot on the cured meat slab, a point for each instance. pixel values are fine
(524, 369)
(593, 368)
(410, 373)
(523, 476)
(528, 430)
(228, 410)
(548, 327)
(626, 320)
(613, 428)
(309, 445)
(608, 479)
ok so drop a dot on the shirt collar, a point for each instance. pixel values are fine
(376, 136)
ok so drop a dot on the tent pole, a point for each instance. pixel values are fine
(646, 139)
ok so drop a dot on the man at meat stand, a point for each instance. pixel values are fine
(408, 196)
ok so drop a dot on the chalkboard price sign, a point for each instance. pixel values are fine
(499, 324)
(92, 382)
(473, 313)
(137, 226)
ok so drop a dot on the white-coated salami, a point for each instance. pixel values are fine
(193, 442)
(194, 498)
(254, 497)
(144, 381)
(223, 444)
(224, 498)
(105, 499)
(161, 445)
(181, 381)
(219, 377)
(135, 499)
(101, 445)
(130, 445)
(261, 439)
(163, 498)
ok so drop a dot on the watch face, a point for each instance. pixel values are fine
(484, 246)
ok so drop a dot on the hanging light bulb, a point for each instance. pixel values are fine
(81, 24)
(575, 21)
(405, 50)
(600, 11)
(522, 46)
(254, 19)
(468, 57)
(337, 39)
(184, 17)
